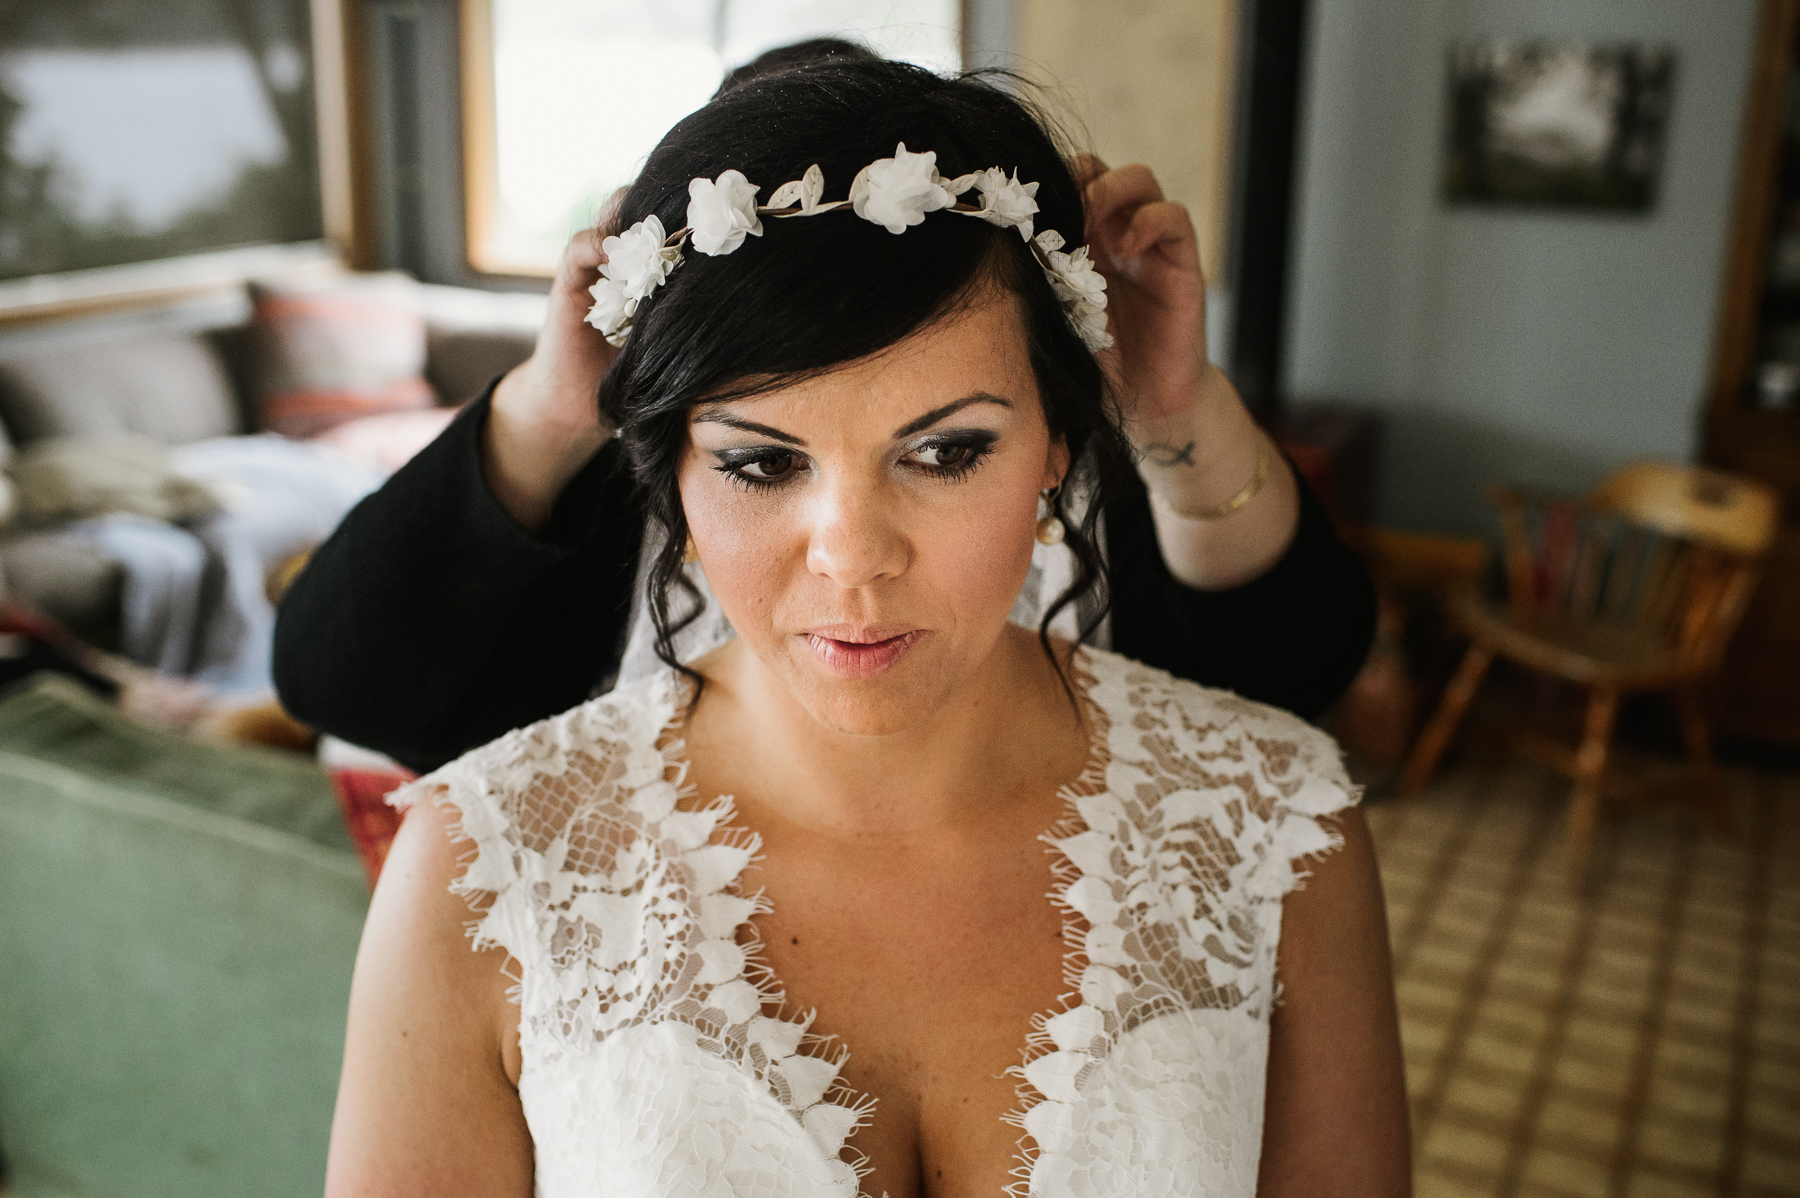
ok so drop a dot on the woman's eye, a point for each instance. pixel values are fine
(951, 460)
(765, 468)
(945, 457)
(768, 469)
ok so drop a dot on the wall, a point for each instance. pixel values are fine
(1146, 81)
(1533, 346)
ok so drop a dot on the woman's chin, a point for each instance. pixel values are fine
(901, 697)
(878, 707)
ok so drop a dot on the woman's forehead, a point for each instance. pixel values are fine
(977, 354)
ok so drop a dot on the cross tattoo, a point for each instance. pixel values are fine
(1167, 455)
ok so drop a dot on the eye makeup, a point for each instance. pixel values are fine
(947, 457)
(953, 455)
(759, 467)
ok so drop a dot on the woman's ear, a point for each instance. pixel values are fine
(1056, 463)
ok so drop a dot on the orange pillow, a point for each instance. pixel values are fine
(336, 348)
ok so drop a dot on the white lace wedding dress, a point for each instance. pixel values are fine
(658, 1061)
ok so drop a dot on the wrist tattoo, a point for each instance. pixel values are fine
(1160, 454)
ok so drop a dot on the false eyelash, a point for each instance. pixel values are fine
(732, 469)
(979, 444)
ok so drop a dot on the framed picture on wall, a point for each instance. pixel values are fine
(1556, 124)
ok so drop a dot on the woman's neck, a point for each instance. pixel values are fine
(1006, 733)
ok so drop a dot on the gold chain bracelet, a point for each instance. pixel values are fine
(1263, 457)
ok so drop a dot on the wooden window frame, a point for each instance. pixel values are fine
(480, 145)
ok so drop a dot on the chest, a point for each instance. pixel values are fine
(928, 964)
(869, 1014)
(713, 1004)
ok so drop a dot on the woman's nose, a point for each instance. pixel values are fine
(856, 538)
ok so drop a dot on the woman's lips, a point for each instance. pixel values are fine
(859, 654)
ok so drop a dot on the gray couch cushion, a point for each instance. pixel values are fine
(472, 336)
(170, 388)
(63, 575)
(463, 361)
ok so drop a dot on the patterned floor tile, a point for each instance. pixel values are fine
(1634, 1036)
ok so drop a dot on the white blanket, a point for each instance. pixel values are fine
(195, 599)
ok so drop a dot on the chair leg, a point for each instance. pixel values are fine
(1697, 735)
(1450, 710)
(1590, 771)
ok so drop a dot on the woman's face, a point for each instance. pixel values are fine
(867, 531)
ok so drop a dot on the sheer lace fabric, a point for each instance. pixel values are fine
(658, 1058)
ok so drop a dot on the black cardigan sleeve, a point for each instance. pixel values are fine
(1292, 637)
(431, 621)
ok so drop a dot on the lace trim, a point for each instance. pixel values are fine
(1169, 869)
(643, 918)
(1155, 873)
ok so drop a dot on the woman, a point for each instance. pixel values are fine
(492, 582)
(859, 415)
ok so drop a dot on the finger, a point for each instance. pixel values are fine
(1112, 197)
(608, 221)
(1165, 228)
(584, 251)
(1125, 187)
(1086, 168)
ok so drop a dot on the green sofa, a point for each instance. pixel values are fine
(178, 924)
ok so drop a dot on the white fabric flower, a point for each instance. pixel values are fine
(897, 192)
(637, 263)
(1080, 287)
(721, 213)
(1006, 202)
(637, 258)
(612, 312)
(1090, 323)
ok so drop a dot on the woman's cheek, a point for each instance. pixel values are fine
(744, 547)
(983, 556)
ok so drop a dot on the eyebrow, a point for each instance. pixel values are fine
(717, 415)
(950, 409)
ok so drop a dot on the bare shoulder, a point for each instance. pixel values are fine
(427, 1103)
(1295, 769)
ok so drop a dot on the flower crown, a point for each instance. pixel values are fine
(894, 193)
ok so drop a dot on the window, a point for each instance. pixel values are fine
(140, 132)
(565, 98)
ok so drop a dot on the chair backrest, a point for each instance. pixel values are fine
(1666, 553)
(1710, 507)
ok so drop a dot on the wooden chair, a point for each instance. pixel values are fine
(1637, 587)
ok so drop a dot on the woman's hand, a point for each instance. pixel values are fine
(545, 422)
(1146, 248)
(1197, 445)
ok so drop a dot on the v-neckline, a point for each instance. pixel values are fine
(732, 831)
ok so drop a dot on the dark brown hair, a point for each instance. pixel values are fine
(811, 295)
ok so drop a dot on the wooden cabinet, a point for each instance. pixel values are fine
(1750, 428)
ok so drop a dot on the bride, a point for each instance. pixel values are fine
(887, 894)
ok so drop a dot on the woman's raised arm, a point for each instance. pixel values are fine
(488, 584)
(431, 621)
(1225, 568)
